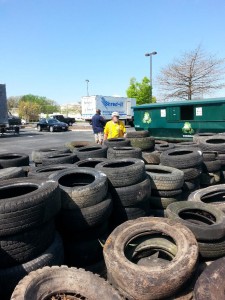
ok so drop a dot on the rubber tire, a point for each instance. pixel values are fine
(91, 152)
(145, 143)
(165, 178)
(25, 246)
(159, 202)
(120, 142)
(13, 172)
(212, 249)
(138, 134)
(164, 147)
(209, 155)
(181, 158)
(186, 145)
(152, 158)
(8, 160)
(51, 129)
(167, 194)
(208, 145)
(39, 154)
(191, 185)
(201, 136)
(39, 128)
(77, 196)
(211, 166)
(46, 171)
(45, 282)
(22, 208)
(10, 277)
(124, 152)
(60, 158)
(192, 173)
(129, 278)
(90, 162)
(78, 144)
(204, 232)
(131, 171)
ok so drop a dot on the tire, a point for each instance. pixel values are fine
(120, 142)
(51, 129)
(167, 194)
(164, 147)
(27, 203)
(152, 158)
(201, 136)
(124, 152)
(209, 155)
(159, 202)
(191, 185)
(91, 152)
(145, 143)
(45, 283)
(211, 166)
(214, 143)
(13, 172)
(137, 134)
(212, 249)
(25, 246)
(9, 160)
(78, 144)
(10, 277)
(192, 173)
(213, 195)
(181, 158)
(90, 162)
(186, 145)
(88, 217)
(207, 179)
(60, 158)
(210, 283)
(39, 128)
(39, 154)
(165, 178)
(129, 278)
(130, 171)
(132, 194)
(41, 172)
(204, 220)
(81, 187)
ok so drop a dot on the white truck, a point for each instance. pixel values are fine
(107, 105)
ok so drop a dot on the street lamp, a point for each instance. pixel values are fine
(150, 55)
(87, 86)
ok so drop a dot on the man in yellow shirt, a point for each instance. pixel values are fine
(114, 128)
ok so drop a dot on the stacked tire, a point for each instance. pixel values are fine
(28, 240)
(211, 169)
(129, 186)
(117, 142)
(124, 152)
(39, 154)
(83, 220)
(91, 152)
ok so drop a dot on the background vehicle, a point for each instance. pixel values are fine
(66, 120)
(107, 105)
(51, 125)
(13, 120)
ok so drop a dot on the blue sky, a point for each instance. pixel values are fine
(50, 47)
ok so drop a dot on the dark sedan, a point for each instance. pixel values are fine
(51, 125)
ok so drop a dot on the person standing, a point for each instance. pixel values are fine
(98, 123)
(114, 128)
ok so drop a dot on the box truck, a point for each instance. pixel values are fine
(107, 105)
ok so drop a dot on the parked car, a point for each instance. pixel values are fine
(13, 120)
(66, 120)
(51, 125)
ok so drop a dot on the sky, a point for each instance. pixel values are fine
(50, 47)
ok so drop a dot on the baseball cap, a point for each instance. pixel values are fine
(115, 114)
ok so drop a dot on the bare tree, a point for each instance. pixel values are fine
(194, 74)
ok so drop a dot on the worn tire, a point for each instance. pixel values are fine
(137, 134)
(167, 194)
(201, 136)
(90, 162)
(60, 158)
(186, 145)
(192, 173)
(124, 152)
(78, 144)
(211, 166)
(39, 154)
(209, 155)
(145, 143)
(152, 158)
(214, 143)
(117, 142)
(212, 249)
(13, 172)
(81, 187)
(164, 147)
(165, 178)
(27, 203)
(191, 185)
(73, 281)
(159, 202)
(181, 158)
(129, 278)
(49, 170)
(130, 171)
(8, 160)
(91, 152)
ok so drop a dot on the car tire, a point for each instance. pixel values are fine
(8, 160)
(117, 142)
(38, 155)
(96, 151)
(46, 171)
(164, 147)
(124, 152)
(39, 128)
(160, 202)
(59, 158)
(51, 128)
(13, 172)
(214, 143)
(90, 162)
(152, 158)
(144, 143)
(137, 134)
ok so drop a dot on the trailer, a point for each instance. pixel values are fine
(180, 120)
(107, 105)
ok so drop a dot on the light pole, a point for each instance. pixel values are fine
(150, 55)
(87, 86)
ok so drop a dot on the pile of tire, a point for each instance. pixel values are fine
(211, 169)
(28, 240)
(188, 160)
(96, 151)
(151, 258)
(83, 220)
(166, 183)
(39, 154)
(130, 188)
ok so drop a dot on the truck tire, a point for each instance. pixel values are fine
(117, 142)
(157, 285)
(49, 170)
(45, 283)
(165, 178)
(10, 277)
(27, 203)
(181, 158)
(124, 152)
(164, 147)
(90, 162)
(39, 154)
(91, 152)
(145, 143)
(81, 187)
(25, 246)
(59, 158)
(137, 134)
(214, 143)
(13, 172)
(9, 160)
(152, 158)
(130, 171)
